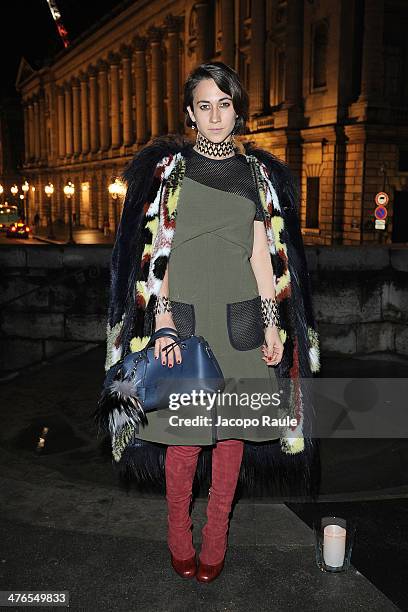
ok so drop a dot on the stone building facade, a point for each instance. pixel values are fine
(328, 94)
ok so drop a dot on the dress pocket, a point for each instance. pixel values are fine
(183, 317)
(245, 324)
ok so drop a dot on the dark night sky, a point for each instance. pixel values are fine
(32, 31)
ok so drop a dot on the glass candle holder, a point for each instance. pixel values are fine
(334, 540)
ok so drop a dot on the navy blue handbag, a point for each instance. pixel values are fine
(139, 383)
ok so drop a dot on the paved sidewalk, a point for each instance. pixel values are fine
(81, 235)
(67, 525)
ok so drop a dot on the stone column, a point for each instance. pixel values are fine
(257, 67)
(68, 120)
(294, 53)
(115, 100)
(156, 81)
(93, 109)
(102, 198)
(127, 96)
(26, 133)
(93, 199)
(57, 203)
(43, 128)
(372, 74)
(51, 128)
(76, 111)
(31, 129)
(227, 25)
(103, 105)
(61, 122)
(37, 150)
(38, 201)
(173, 26)
(200, 19)
(84, 113)
(139, 45)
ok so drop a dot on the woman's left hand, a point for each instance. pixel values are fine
(272, 348)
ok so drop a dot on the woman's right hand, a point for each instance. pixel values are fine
(174, 355)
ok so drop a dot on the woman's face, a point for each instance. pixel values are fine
(213, 111)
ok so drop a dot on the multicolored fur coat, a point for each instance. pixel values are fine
(142, 249)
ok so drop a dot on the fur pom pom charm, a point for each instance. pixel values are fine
(118, 407)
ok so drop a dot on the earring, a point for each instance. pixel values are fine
(193, 127)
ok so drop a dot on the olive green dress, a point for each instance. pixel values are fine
(209, 269)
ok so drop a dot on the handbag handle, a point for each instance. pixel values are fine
(164, 331)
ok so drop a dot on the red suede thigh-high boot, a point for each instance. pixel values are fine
(180, 468)
(226, 463)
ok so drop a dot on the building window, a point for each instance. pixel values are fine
(357, 47)
(244, 70)
(278, 77)
(245, 9)
(312, 202)
(319, 55)
(85, 208)
(280, 85)
(403, 160)
(218, 27)
(393, 71)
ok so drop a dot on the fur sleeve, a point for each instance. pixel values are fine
(142, 185)
(287, 190)
(138, 176)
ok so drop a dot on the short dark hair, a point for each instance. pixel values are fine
(228, 80)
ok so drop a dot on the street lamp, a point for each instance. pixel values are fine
(116, 189)
(69, 191)
(25, 189)
(49, 190)
(22, 216)
(14, 190)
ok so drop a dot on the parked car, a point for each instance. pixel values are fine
(8, 216)
(18, 230)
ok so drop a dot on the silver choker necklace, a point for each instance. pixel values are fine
(219, 149)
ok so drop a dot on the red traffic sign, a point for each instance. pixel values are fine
(381, 199)
(380, 212)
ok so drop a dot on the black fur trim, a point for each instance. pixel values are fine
(265, 470)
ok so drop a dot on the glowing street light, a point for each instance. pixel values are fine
(25, 187)
(116, 189)
(49, 190)
(69, 190)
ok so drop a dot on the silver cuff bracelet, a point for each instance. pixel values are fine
(162, 305)
(270, 312)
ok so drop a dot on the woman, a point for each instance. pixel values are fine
(213, 208)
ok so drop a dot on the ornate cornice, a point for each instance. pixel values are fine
(139, 43)
(173, 23)
(155, 34)
(113, 59)
(125, 51)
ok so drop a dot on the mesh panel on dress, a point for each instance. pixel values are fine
(232, 174)
(245, 325)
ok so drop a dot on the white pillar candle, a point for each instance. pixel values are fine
(334, 545)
